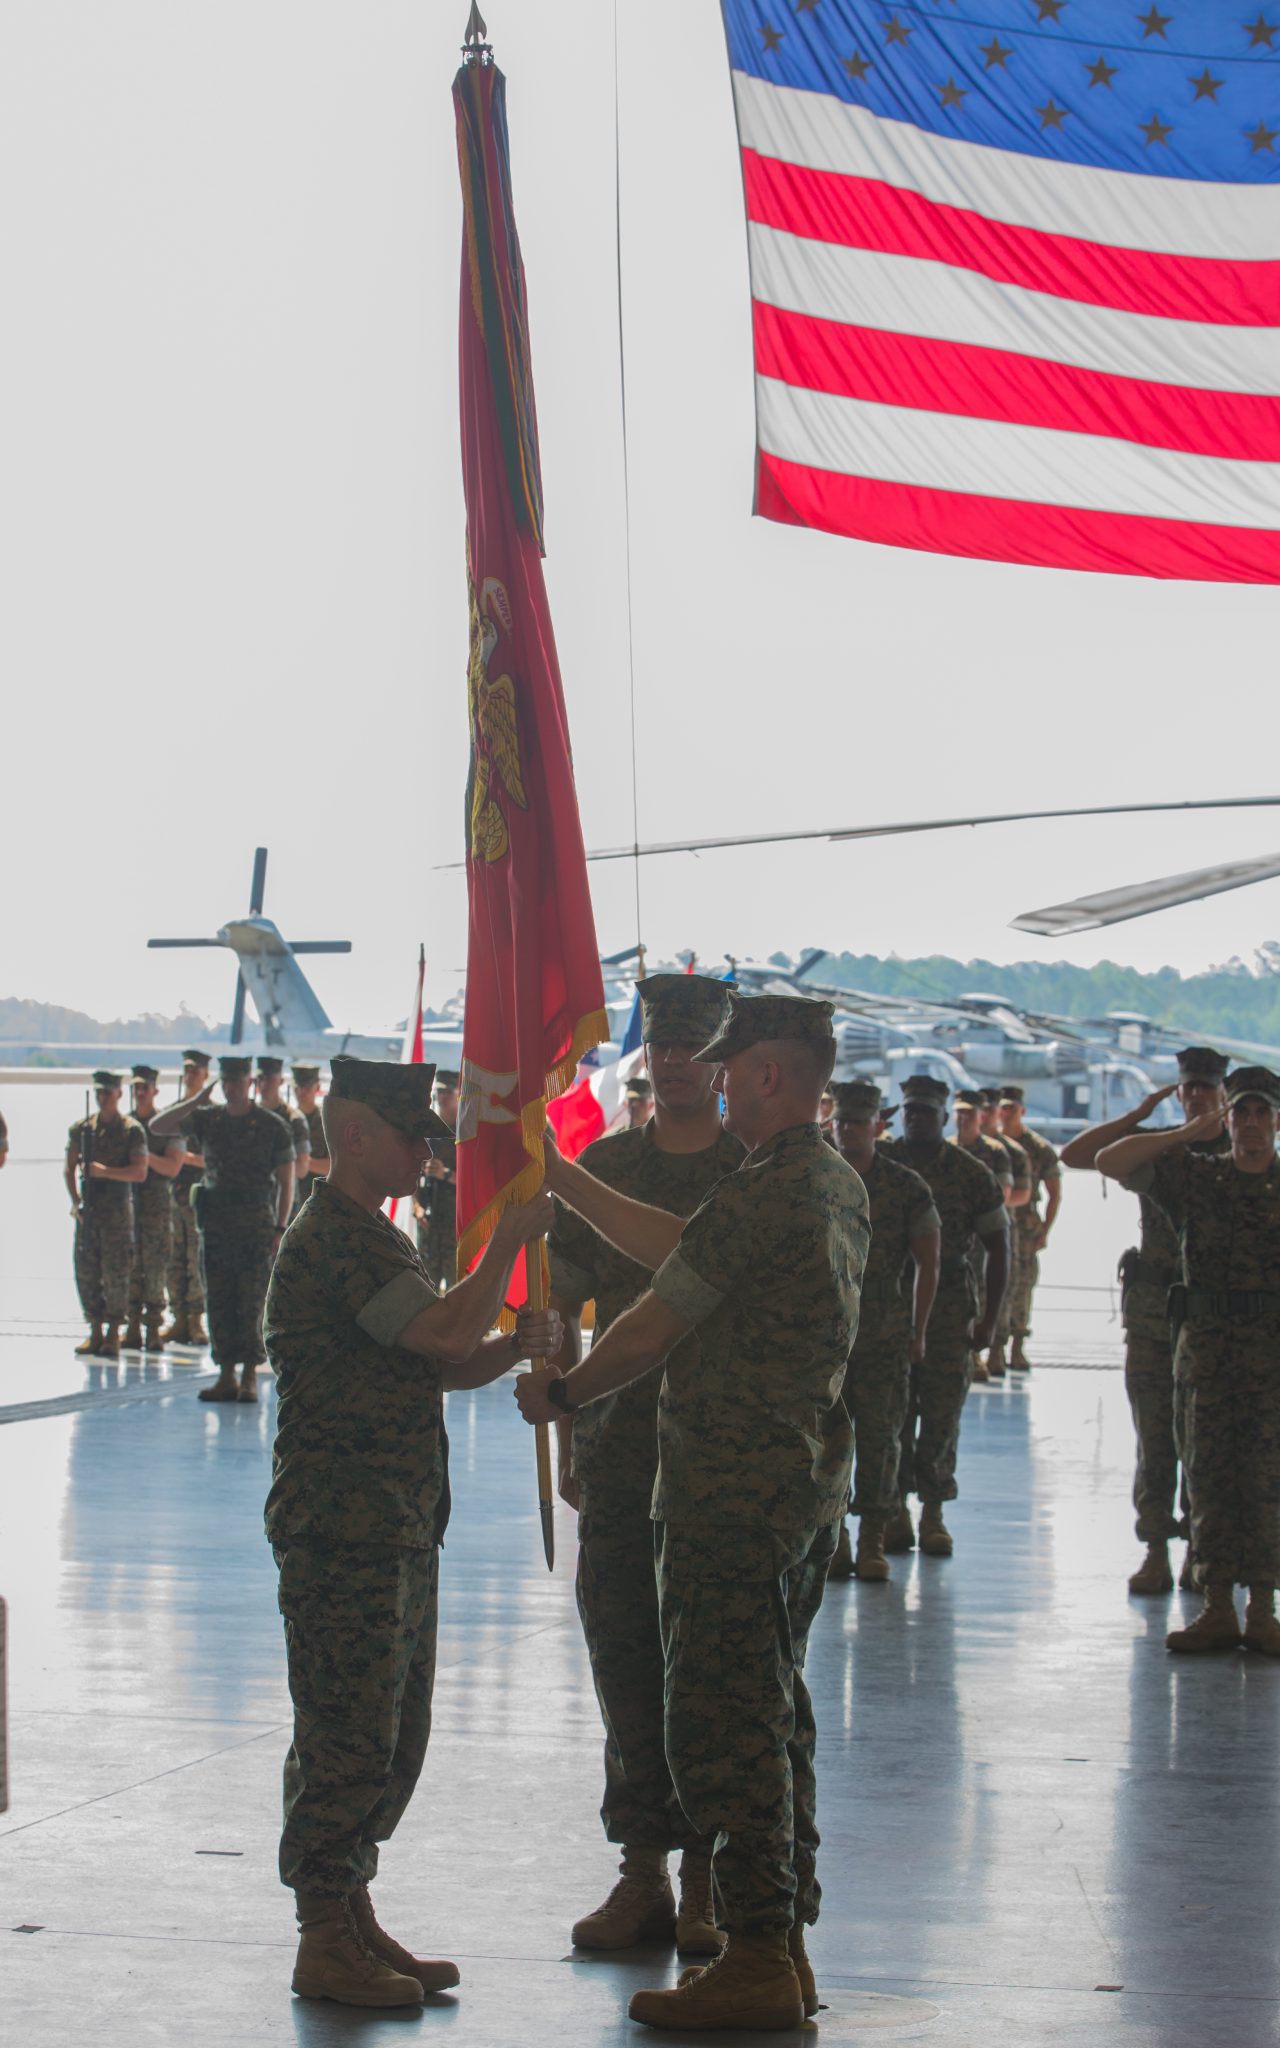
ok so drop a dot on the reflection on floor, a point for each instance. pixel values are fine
(1037, 1826)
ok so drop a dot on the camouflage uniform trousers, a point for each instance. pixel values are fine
(736, 1605)
(1024, 1270)
(186, 1274)
(1153, 1400)
(618, 1602)
(360, 1634)
(931, 1435)
(152, 1244)
(104, 1262)
(237, 1259)
(1229, 1386)
(877, 1394)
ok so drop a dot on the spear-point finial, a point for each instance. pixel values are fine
(475, 46)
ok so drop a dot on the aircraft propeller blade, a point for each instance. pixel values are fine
(184, 942)
(1113, 906)
(237, 1015)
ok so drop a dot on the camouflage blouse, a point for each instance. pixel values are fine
(615, 1441)
(1227, 1222)
(121, 1141)
(361, 1454)
(989, 1152)
(967, 1197)
(155, 1193)
(1160, 1249)
(902, 1210)
(751, 1427)
(241, 1153)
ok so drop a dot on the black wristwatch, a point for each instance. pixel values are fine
(558, 1395)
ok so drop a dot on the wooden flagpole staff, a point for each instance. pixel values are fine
(536, 1275)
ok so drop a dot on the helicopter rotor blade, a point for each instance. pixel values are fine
(1114, 906)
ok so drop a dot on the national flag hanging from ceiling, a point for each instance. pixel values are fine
(1015, 276)
(535, 999)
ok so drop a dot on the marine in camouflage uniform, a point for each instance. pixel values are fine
(1030, 1228)
(893, 1321)
(1226, 1313)
(970, 1108)
(306, 1083)
(754, 1455)
(242, 1204)
(355, 1516)
(970, 1203)
(615, 1465)
(1147, 1272)
(270, 1091)
(152, 1222)
(103, 1210)
(186, 1274)
(436, 1205)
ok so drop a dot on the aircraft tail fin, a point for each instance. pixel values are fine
(288, 1007)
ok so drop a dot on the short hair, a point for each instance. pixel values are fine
(810, 1062)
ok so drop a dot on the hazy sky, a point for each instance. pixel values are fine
(231, 524)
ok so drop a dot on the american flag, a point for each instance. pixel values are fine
(1015, 272)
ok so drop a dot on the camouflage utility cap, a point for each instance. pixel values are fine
(448, 1080)
(970, 1098)
(1012, 1094)
(104, 1078)
(639, 1089)
(857, 1102)
(401, 1095)
(307, 1077)
(924, 1088)
(1254, 1081)
(142, 1072)
(269, 1064)
(1202, 1063)
(754, 1020)
(234, 1066)
(990, 1097)
(682, 1009)
(192, 1058)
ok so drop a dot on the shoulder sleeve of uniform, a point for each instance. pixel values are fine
(137, 1139)
(923, 1219)
(200, 1119)
(1050, 1164)
(571, 1250)
(1165, 1181)
(173, 1148)
(282, 1137)
(716, 1247)
(376, 1276)
(395, 1305)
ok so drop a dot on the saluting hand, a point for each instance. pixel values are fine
(1210, 1125)
(1150, 1102)
(531, 1394)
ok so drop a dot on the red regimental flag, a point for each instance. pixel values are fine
(535, 1000)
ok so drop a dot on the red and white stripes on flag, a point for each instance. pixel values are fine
(981, 352)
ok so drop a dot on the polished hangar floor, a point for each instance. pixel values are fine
(1038, 1827)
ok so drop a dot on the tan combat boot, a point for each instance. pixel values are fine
(996, 1367)
(334, 1961)
(197, 1333)
(871, 1562)
(225, 1387)
(1153, 1574)
(433, 1976)
(841, 1565)
(92, 1344)
(248, 1390)
(1187, 1580)
(1018, 1360)
(898, 1532)
(1261, 1629)
(132, 1339)
(935, 1537)
(979, 1376)
(155, 1336)
(1216, 1628)
(110, 1345)
(696, 1930)
(641, 1906)
(752, 1986)
(178, 1331)
(804, 1970)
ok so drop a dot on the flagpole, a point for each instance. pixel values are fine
(536, 1276)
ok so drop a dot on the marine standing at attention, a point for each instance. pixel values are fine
(638, 1097)
(362, 1350)
(186, 1275)
(970, 1203)
(270, 1092)
(754, 1453)
(152, 1221)
(1225, 1310)
(106, 1159)
(609, 1464)
(898, 1290)
(436, 1205)
(1030, 1233)
(969, 1105)
(1147, 1272)
(242, 1207)
(306, 1090)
